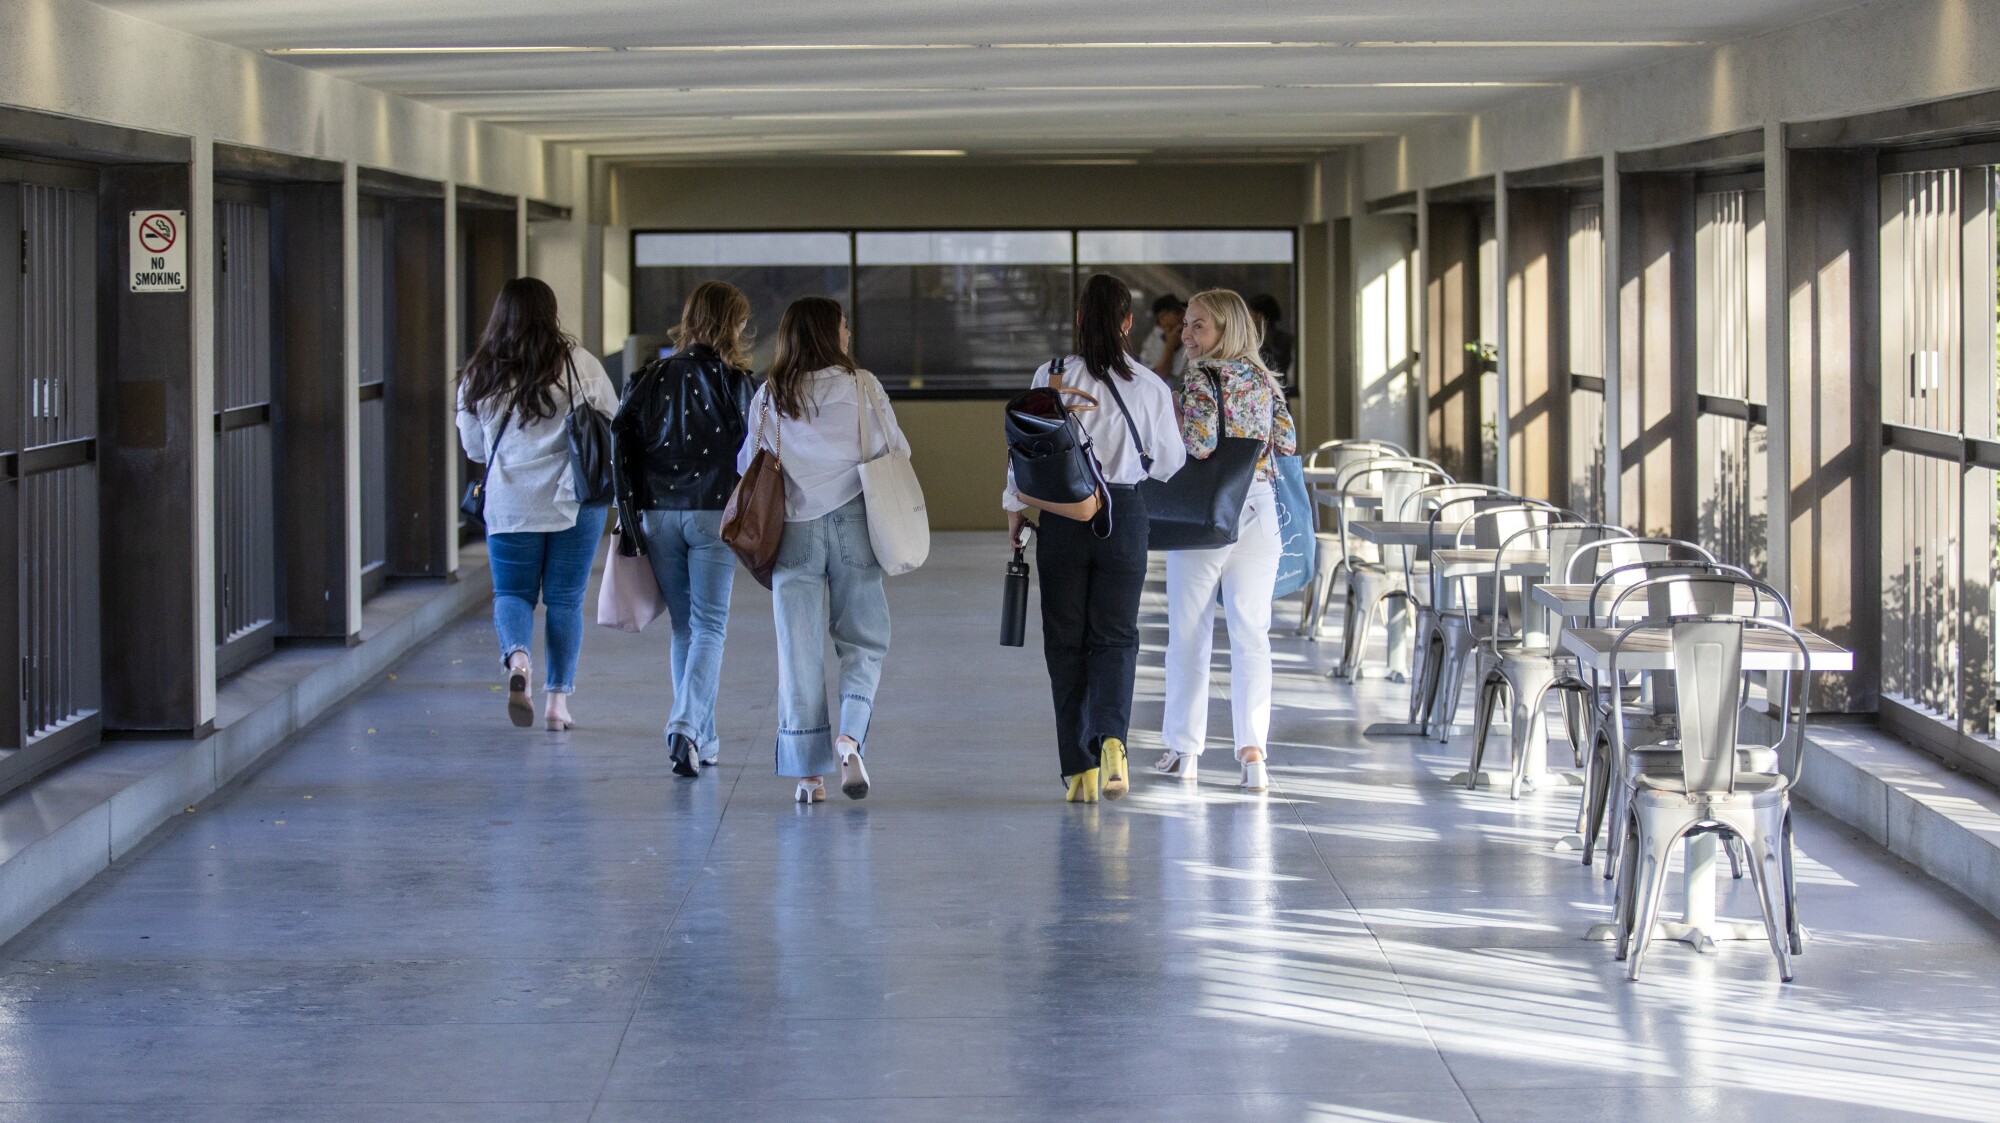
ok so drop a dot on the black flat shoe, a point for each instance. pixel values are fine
(681, 750)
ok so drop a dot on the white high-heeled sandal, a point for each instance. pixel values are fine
(853, 773)
(1255, 777)
(810, 791)
(1185, 767)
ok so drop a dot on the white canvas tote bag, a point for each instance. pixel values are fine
(899, 527)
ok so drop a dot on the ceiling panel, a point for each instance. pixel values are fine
(839, 76)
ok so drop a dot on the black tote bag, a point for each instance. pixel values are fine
(589, 432)
(1201, 507)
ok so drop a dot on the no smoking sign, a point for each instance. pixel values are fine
(158, 251)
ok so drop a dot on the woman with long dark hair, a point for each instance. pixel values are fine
(676, 438)
(514, 395)
(812, 411)
(1091, 584)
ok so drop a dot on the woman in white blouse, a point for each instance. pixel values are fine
(513, 397)
(1093, 572)
(827, 580)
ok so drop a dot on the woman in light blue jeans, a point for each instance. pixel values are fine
(513, 396)
(676, 439)
(827, 581)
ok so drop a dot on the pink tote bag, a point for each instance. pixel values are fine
(629, 598)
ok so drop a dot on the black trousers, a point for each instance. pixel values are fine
(1090, 624)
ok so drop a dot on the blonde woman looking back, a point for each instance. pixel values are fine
(1228, 393)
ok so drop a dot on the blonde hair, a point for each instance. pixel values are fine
(715, 314)
(1239, 338)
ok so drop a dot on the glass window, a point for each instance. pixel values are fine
(1729, 376)
(961, 310)
(1181, 263)
(772, 269)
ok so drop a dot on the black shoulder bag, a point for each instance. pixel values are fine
(589, 432)
(473, 503)
(1201, 507)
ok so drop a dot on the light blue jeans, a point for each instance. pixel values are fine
(553, 567)
(827, 583)
(696, 572)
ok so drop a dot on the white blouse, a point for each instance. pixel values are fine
(1152, 406)
(528, 486)
(821, 452)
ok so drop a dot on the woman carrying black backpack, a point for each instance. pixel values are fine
(1091, 584)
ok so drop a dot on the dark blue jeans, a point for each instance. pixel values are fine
(553, 567)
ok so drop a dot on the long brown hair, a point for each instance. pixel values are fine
(714, 314)
(523, 355)
(808, 341)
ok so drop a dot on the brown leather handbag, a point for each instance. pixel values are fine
(753, 522)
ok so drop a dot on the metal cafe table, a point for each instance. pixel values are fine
(1653, 651)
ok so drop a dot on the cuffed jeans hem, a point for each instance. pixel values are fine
(807, 752)
(706, 746)
(856, 712)
(507, 656)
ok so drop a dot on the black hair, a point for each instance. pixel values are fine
(1266, 305)
(1101, 312)
(1168, 302)
(523, 354)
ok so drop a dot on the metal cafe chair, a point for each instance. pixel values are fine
(1443, 636)
(1518, 653)
(1464, 605)
(1646, 744)
(1712, 792)
(1378, 576)
(1329, 561)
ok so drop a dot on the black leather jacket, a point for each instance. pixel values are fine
(676, 435)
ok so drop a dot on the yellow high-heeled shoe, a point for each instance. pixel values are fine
(1111, 765)
(1083, 787)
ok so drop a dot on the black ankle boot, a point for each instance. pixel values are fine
(681, 750)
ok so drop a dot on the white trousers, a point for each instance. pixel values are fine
(1245, 571)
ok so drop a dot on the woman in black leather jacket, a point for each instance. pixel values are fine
(675, 442)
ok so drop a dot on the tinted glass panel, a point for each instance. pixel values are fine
(1180, 263)
(772, 270)
(962, 310)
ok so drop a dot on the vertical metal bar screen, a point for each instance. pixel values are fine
(245, 483)
(58, 507)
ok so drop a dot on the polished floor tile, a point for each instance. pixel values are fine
(416, 912)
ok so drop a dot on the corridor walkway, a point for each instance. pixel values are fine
(419, 913)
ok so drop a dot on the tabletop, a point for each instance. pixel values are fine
(1475, 561)
(1652, 650)
(1391, 533)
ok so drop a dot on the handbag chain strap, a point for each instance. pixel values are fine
(777, 429)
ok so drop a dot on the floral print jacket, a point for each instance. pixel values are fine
(1250, 406)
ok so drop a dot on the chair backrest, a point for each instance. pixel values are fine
(1625, 549)
(1708, 677)
(1337, 454)
(1681, 589)
(1487, 529)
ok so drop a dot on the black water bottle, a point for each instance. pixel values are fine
(1014, 606)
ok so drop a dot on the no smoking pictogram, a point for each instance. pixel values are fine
(157, 233)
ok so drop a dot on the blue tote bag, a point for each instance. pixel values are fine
(1295, 525)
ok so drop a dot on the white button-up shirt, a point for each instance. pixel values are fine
(1152, 406)
(821, 452)
(529, 485)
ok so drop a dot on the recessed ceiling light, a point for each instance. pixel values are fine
(910, 152)
(487, 50)
(745, 48)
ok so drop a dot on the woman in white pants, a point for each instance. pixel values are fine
(1228, 393)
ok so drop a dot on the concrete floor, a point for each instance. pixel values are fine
(417, 912)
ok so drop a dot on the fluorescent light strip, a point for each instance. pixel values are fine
(1157, 45)
(524, 50)
(615, 91)
(1524, 44)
